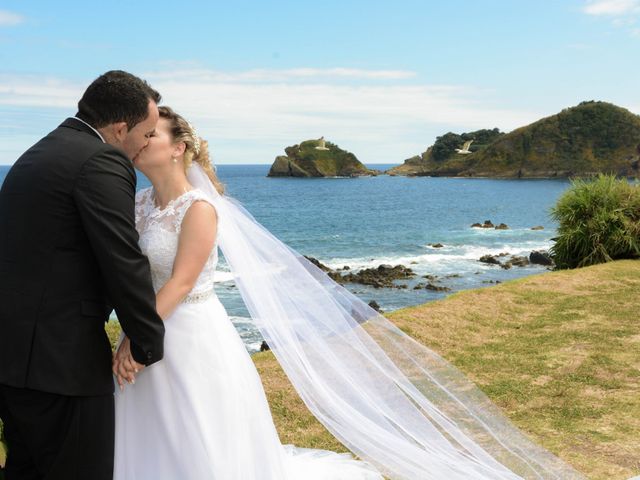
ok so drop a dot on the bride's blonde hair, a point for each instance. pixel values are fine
(197, 149)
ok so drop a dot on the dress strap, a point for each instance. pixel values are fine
(185, 202)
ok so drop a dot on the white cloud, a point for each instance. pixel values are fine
(36, 91)
(9, 19)
(285, 75)
(249, 117)
(378, 122)
(621, 13)
(612, 7)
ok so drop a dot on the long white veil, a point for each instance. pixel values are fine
(389, 399)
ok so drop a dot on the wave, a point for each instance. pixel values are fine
(248, 332)
(511, 233)
(445, 259)
(221, 276)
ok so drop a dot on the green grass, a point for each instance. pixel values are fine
(558, 352)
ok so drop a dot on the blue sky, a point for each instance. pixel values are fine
(381, 79)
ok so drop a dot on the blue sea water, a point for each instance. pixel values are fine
(368, 221)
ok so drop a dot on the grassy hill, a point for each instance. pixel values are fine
(590, 138)
(305, 160)
(559, 352)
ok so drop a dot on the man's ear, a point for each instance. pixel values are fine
(120, 131)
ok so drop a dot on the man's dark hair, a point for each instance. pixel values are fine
(116, 96)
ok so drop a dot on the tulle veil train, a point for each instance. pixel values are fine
(389, 399)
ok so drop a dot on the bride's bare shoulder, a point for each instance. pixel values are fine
(202, 203)
(201, 211)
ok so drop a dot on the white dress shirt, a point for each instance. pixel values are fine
(97, 132)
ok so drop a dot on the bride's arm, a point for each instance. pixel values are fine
(197, 237)
(196, 240)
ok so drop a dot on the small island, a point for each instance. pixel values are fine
(318, 158)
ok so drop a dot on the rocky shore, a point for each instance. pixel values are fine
(403, 277)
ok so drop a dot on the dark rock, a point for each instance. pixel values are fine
(383, 276)
(336, 276)
(515, 261)
(539, 227)
(373, 304)
(430, 277)
(436, 288)
(519, 261)
(264, 347)
(540, 258)
(317, 263)
(486, 224)
(490, 259)
(502, 226)
(436, 245)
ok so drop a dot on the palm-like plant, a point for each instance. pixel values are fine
(599, 221)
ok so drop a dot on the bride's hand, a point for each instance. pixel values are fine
(124, 366)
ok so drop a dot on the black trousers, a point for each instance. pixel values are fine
(57, 437)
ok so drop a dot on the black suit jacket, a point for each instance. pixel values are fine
(69, 254)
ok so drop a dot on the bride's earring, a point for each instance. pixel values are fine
(175, 160)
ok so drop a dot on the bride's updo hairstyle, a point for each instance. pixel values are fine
(197, 148)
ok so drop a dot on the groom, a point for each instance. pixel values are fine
(68, 255)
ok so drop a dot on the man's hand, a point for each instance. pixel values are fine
(125, 367)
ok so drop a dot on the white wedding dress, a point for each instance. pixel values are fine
(201, 412)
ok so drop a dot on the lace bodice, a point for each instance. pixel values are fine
(159, 230)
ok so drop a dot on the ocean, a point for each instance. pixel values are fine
(367, 221)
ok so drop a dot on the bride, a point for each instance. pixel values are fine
(202, 414)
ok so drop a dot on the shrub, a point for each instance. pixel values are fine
(599, 221)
